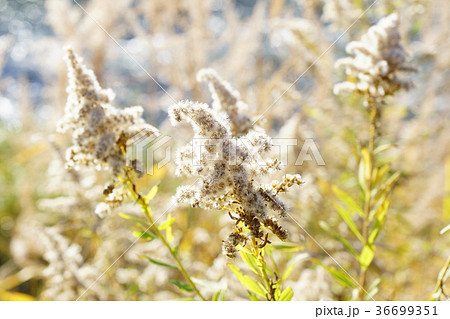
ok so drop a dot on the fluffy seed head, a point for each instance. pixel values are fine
(376, 61)
(227, 167)
(99, 130)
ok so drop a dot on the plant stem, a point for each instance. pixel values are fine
(257, 253)
(147, 213)
(440, 284)
(368, 195)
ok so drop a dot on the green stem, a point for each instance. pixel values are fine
(440, 284)
(368, 196)
(155, 229)
(257, 253)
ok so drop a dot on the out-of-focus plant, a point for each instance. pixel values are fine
(149, 231)
(444, 274)
(372, 74)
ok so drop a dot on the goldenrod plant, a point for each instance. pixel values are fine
(373, 74)
(226, 173)
(100, 133)
(443, 275)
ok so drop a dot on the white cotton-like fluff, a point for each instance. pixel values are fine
(102, 210)
(227, 163)
(376, 61)
(233, 171)
(99, 130)
(228, 101)
(64, 261)
(340, 13)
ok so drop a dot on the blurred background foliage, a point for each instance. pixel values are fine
(52, 245)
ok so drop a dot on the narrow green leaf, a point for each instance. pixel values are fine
(151, 194)
(379, 207)
(446, 199)
(167, 223)
(248, 282)
(182, 286)
(253, 297)
(383, 148)
(444, 273)
(385, 188)
(287, 294)
(345, 215)
(134, 219)
(169, 235)
(374, 234)
(367, 163)
(235, 270)
(366, 257)
(380, 217)
(219, 295)
(344, 279)
(381, 173)
(348, 200)
(372, 290)
(288, 247)
(167, 226)
(253, 286)
(361, 176)
(144, 235)
(287, 272)
(157, 262)
(339, 238)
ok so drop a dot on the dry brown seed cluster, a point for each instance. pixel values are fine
(228, 181)
(99, 130)
(229, 245)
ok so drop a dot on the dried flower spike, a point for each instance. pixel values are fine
(227, 170)
(227, 100)
(99, 130)
(377, 59)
